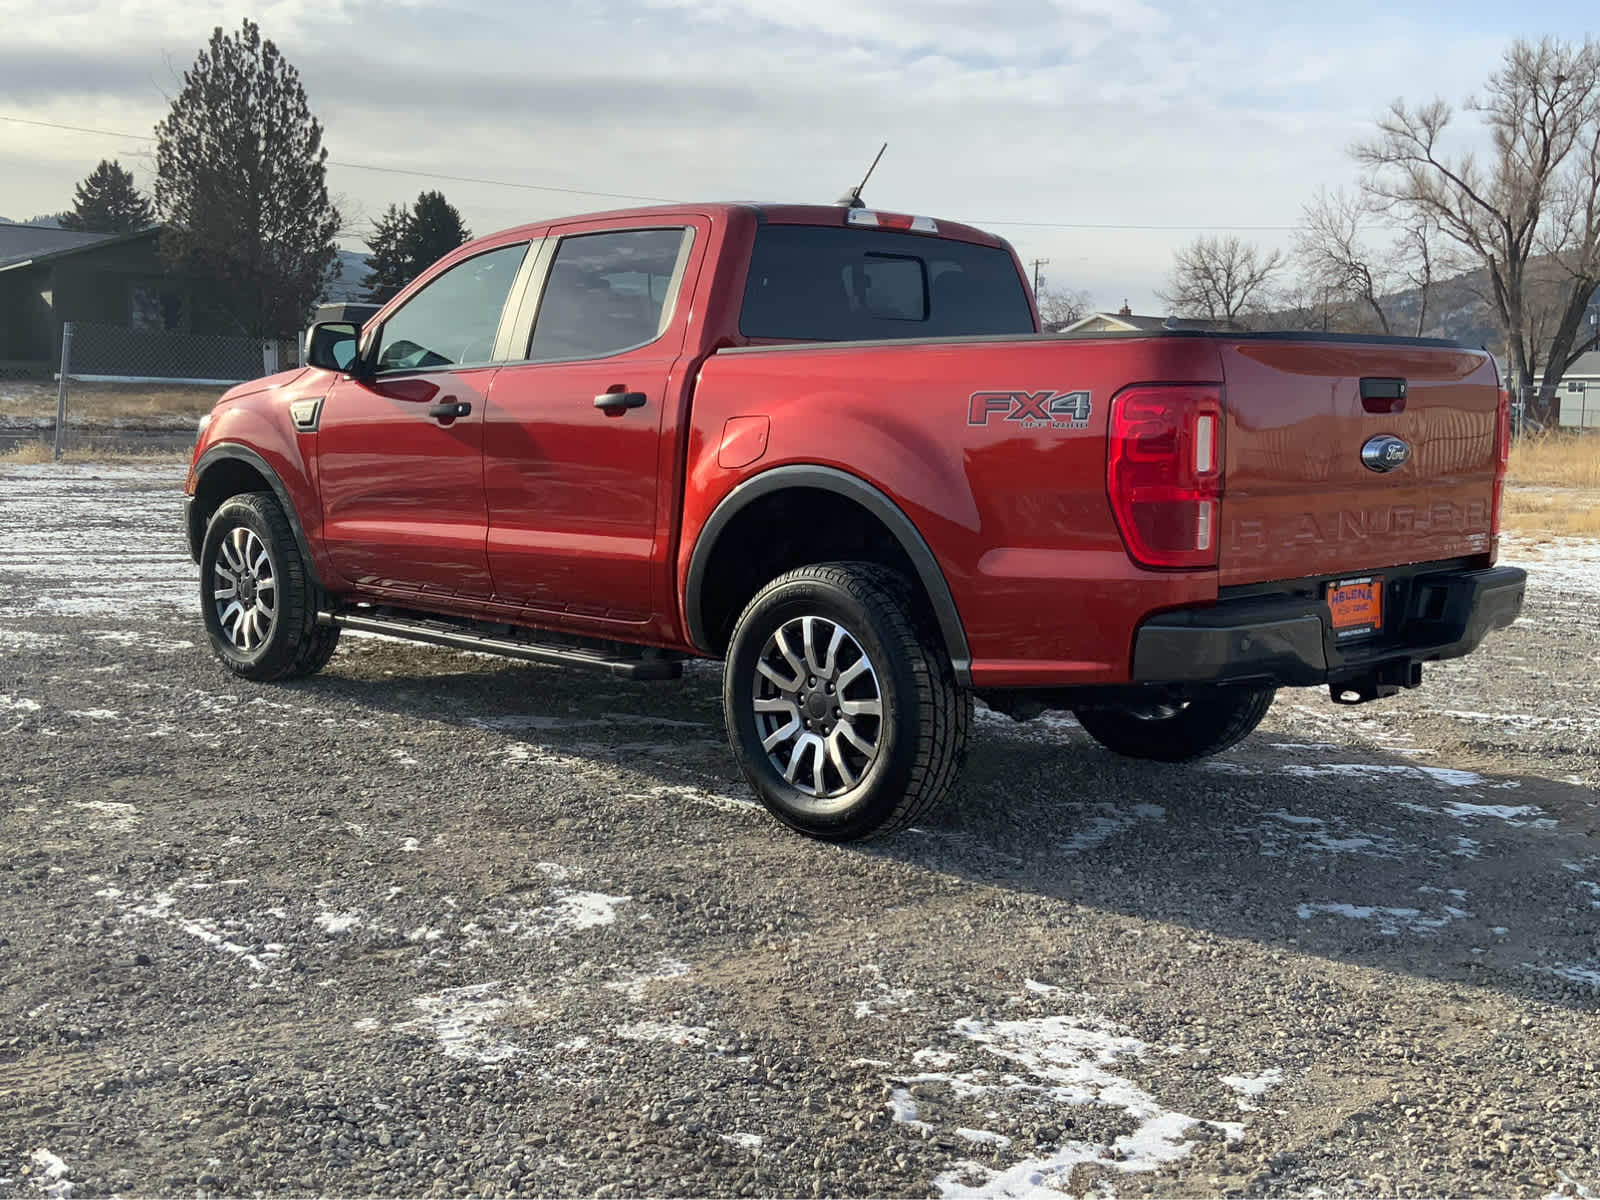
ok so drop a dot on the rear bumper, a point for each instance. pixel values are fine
(1285, 640)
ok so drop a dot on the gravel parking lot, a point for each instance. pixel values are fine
(438, 924)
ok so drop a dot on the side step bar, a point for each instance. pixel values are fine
(635, 666)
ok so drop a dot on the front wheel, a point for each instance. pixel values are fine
(1178, 731)
(257, 597)
(846, 716)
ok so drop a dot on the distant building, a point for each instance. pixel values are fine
(1579, 393)
(51, 276)
(1126, 321)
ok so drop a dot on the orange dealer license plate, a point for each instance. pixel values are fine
(1356, 606)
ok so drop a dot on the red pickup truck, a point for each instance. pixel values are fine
(831, 447)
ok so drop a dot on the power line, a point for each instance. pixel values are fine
(544, 187)
(537, 187)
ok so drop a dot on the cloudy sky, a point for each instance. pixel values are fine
(1099, 134)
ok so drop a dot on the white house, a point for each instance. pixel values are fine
(1579, 391)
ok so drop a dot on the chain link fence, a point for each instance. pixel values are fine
(151, 387)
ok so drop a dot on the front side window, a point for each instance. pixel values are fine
(608, 292)
(453, 320)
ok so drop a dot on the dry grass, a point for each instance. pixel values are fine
(1556, 460)
(98, 403)
(31, 453)
(1553, 514)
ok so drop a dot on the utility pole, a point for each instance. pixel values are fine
(1037, 263)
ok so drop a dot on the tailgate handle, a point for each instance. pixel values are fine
(1383, 395)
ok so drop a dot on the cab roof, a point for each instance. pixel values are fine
(765, 213)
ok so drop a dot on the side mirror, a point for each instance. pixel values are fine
(332, 345)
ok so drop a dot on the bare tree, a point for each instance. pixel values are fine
(1059, 308)
(1220, 279)
(1420, 261)
(1537, 192)
(1336, 257)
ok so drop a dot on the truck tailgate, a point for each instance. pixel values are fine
(1299, 501)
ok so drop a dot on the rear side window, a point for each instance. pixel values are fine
(813, 283)
(608, 292)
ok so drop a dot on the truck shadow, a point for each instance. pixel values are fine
(1325, 848)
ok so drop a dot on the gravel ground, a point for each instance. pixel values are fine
(436, 924)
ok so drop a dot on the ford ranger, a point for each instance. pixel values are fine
(831, 447)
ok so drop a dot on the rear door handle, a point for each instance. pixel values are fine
(619, 401)
(449, 410)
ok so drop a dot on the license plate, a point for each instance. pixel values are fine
(1356, 606)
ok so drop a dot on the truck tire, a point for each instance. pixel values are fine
(1182, 732)
(257, 598)
(842, 708)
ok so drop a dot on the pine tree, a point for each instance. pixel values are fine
(436, 229)
(241, 177)
(107, 202)
(406, 242)
(391, 266)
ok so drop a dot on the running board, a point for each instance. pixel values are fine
(627, 666)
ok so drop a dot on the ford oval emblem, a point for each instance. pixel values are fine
(1384, 453)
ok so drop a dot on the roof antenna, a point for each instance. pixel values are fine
(852, 198)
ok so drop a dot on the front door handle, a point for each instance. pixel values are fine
(449, 410)
(619, 401)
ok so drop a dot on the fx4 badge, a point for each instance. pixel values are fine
(1031, 410)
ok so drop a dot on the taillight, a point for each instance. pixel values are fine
(1164, 473)
(1502, 450)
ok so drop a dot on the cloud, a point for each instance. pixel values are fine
(1132, 112)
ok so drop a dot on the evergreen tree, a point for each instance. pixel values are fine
(406, 242)
(436, 229)
(107, 202)
(241, 177)
(391, 265)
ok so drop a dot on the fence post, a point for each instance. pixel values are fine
(61, 389)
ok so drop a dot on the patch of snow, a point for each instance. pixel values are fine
(1108, 822)
(664, 1031)
(1064, 1060)
(573, 911)
(635, 984)
(21, 639)
(745, 1141)
(1252, 1087)
(18, 703)
(1390, 921)
(461, 1018)
(160, 908)
(51, 1174)
(984, 1137)
(696, 795)
(1511, 814)
(117, 816)
(882, 1002)
(1586, 974)
(1443, 776)
(903, 1109)
(334, 923)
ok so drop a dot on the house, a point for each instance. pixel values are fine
(1579, 392)
(117, 282)
(1125, 320)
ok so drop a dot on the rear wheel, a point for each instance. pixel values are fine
(845, 715)
(257, 597)
(1178, 731)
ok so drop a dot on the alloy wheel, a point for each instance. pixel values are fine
(818, 707)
